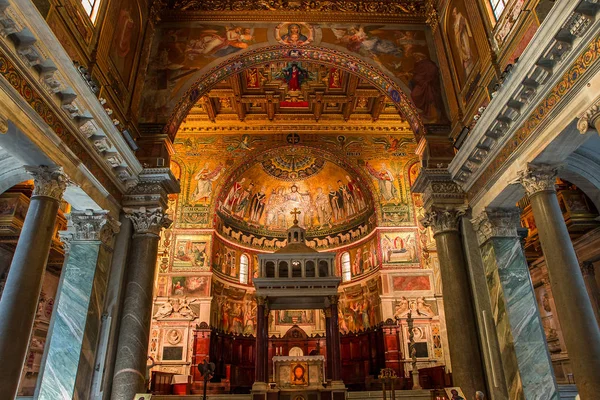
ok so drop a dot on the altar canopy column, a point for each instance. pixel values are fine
(328, 366)
(23, 284)
(573, 306)
(145, 206)
(444, 203)
(524, 351)
(68, 361)
(260, 377)
(336, 355)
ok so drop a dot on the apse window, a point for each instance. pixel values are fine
(244, 269)
(91, 8)
(498, 7)
(346, 268)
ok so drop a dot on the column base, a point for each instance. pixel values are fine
(259, 387)
(416, 384)
(337, 385)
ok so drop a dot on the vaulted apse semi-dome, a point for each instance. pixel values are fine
(330, 196)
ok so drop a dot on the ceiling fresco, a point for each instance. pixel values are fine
(188, 60)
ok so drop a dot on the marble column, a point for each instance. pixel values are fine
(589, 276)
(336, 353)
(327, 312)
(20, 297)
(88, 232)
(526, 360)
(573, 306)
(260, 377)
(132, 349)
(467, 365)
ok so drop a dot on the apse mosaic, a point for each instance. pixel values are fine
(294, 178)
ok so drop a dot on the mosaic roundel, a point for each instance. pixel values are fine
(292, 165)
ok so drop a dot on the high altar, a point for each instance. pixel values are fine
(298, 372)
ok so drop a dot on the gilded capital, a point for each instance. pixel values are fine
(538, 178)
(590, 119)
(497, 222)
(48, 181)
(443, 219)
(147, 220)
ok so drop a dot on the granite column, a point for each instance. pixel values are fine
(328, 333)
(336, 354)
(260, 377)
(132, 351)
(460, 317)
(20, 297)
(89, 233)
(574, 308)
(445, 204)
(589, 276)
(526, 360)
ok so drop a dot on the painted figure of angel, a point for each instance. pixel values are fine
(385, 180)
(205, 178)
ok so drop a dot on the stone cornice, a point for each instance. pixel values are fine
(538, 178)
(559, 40)
(154, 185)
(27, 39)
(497, 222)
(438, 188)
(48, 181)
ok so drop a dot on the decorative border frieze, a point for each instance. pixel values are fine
(31, 44)
(497, 222)
(529, 80)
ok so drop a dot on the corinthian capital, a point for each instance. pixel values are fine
(497, 222)
(89, 226)
(443, 219)
(590, 118)
(147, 220)
(538, 178)
(48, 181)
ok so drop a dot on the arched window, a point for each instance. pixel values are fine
(91, 8)
(346, 268)
(244, 269)
(498, 7)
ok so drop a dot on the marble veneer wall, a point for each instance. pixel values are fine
(517, 319)
(70, 352)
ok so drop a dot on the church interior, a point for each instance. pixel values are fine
(299, 199)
